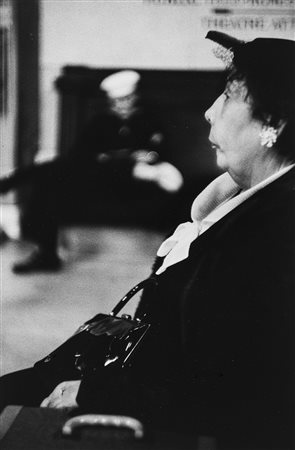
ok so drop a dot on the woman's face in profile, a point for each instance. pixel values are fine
(234, 133)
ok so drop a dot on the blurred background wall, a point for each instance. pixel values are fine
(114, 34)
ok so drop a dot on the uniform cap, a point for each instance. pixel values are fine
(120, 84)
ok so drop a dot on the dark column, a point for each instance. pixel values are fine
(26, 16)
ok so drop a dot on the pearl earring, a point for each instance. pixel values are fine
(268, 136)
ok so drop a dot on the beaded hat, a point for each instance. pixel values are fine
(268, 65)
(270, 60)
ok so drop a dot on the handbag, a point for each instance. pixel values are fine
(103, 342)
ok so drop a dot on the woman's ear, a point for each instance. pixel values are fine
(271, 130)
(280, 126)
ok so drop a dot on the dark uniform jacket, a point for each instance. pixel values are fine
(219, 359)
(109, 133)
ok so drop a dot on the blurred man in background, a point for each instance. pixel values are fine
(120, 161)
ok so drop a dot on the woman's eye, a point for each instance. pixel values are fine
(226, 94)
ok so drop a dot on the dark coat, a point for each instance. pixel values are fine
(220, 355)
(109, 133)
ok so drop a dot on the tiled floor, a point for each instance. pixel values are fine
(38, 312)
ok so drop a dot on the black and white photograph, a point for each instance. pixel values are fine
(147, 224)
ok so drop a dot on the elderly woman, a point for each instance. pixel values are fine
(219, 357)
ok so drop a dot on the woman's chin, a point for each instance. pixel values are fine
(220, 160)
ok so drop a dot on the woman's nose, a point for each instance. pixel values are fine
(208, 115)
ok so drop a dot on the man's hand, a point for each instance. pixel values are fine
(63, 396)
(164, 174)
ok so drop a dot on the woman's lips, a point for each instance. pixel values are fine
(214, 146)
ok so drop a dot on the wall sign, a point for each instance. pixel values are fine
(273, 17)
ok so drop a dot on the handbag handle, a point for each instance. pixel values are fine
(103, 420)
(124, 300)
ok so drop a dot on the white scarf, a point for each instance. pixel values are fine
(214, 202)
